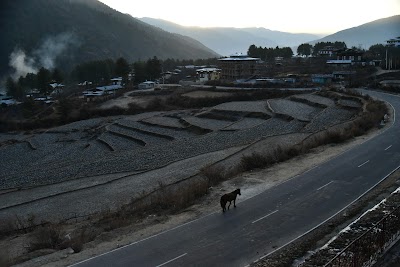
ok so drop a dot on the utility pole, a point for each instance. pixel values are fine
(386, 61)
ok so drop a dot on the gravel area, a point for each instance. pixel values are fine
(137, 136)
(144, 116)
(80, 125)
(208, 124)
(156, 130)
(165, 121)
(71, 152)
(350, 103)
(11, 154)
(294, 109)
(244, 106)
(245, 123)
(204, 94)
(151, 157)
(118, 143)
(316, 99)
(328, 117)
(7, 136)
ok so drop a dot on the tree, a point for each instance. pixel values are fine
(99, 71)
(286, 52)
(30, 81)
(43, 80)
(56, 76)
(304, 49)
(122, 68)
(13, 89)
(153, 68)
(377, 51)
(252, 51)
(140, 71)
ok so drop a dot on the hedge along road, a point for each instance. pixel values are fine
(263, 224)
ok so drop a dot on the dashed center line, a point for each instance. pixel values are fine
(162, 264)
(324, 185)
(388, 147)
(265, 216)
(363, 164)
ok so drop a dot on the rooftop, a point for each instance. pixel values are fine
(239, 57)
(208, 70)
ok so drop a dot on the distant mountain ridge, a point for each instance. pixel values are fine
(228, 40)
(96, 30)
(368, 34)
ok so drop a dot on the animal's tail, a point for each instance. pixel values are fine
(222, 203)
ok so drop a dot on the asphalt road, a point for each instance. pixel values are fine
(268, 221)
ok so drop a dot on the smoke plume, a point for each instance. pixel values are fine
(21, 64)
(43, 56)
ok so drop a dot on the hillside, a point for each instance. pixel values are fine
(73, 31)
(226, 40)
(365, 35)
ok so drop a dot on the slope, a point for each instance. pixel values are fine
(365, 35)
(92, 31)
(227, 40)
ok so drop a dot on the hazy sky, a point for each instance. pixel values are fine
(297, 16)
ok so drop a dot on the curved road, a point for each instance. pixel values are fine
(268, 221)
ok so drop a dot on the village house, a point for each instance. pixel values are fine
(239, 66)
(394, 42)
(208, 74)
(147, 85)
(322, 78)
(342, 75)
(347, 57)
(327, 51)
(57, 88)
(116, 81)
(103, 91)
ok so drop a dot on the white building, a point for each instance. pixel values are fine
(208, 74)
(147, 85)
(394, 42)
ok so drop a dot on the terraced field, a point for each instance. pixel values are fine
(154, 139)
(313, 98)
(297, 110)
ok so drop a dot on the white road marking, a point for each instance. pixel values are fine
(162, 264)
(324, 185)
(265, 216)
(363, 164)
(388, 147)
(315, 227)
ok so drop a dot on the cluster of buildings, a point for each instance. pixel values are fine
(102, 91)
(237, 68)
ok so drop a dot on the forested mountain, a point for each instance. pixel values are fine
(226, 41)
(368, 34)
(66, 32)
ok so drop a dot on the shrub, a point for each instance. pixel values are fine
(214, 174)
(5, 258)
(47, 236)
(255, 161)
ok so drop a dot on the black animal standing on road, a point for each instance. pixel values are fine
(229, 197)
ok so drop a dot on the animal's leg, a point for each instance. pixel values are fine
(234, 203)
(229, 204)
